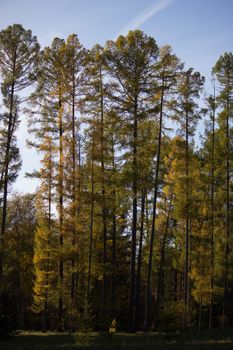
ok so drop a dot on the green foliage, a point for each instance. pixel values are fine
(115, 125)
(18, 256)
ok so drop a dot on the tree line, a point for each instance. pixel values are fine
(132, 217)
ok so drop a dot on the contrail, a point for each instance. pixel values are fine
(146, 14)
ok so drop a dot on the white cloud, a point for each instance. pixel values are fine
(146, 14)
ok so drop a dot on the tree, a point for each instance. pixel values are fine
(208, 157)
(188, 113)
(18, 53)
(45, 269)
(130, 60)
(223, 71)
(96, 110)
(74, 56)
(165, 79)
(50, 95)
(18, 252)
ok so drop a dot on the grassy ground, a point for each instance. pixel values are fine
(89, 341)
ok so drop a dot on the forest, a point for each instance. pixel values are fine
(132, 216)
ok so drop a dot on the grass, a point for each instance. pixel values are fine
(217, 340)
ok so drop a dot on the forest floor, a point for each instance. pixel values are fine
(217, 340)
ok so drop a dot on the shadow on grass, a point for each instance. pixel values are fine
(39, 341)
(91, 341)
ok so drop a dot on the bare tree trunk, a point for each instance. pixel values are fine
(74, 199)
(114, 248)
(61, 216)
(212, 216)
(186, 267)
(131, 314)
(138, 280)
(104, 215)
(47, 263)
(200, 316)
(151, 247)
(175, 285)
(160, 288)
(226, 263)
(91, 236)
(79, 201)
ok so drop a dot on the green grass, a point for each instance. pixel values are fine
(90, 341)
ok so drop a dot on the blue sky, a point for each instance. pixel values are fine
(199, 31)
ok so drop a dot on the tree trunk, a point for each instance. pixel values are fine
(113, 282)
(61, 218)
(151, 247)
(104, 215)
(6, 163)
(200, 316)
(91, 236)
(186, 268)
(131, 314)
(138, 281)
(212, 217)
(175, 285)
(160, 288)
(226, 264)
(74, 199)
